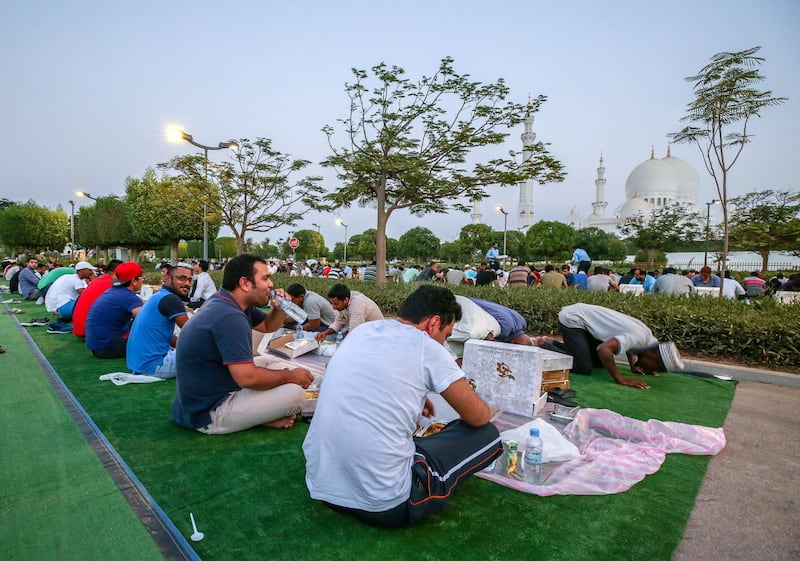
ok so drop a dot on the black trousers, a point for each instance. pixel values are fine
(442, 461)
(584, 266)
(117, 349)
(579, 344)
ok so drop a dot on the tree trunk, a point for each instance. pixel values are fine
(173, 252)
(380, 234)
(764, 260)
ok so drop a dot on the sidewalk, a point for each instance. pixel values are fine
(749, 503)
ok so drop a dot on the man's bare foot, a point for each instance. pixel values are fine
(285, 423)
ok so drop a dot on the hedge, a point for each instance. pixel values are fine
(761, 333)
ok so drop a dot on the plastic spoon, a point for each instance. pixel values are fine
(197, 536)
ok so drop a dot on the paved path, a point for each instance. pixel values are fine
(748, 507)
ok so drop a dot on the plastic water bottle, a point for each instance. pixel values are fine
(532, 458)
(292, 310)
(298, 333)
(339, 338)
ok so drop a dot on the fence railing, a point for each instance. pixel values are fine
(736, 266)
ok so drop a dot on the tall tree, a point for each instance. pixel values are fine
(419, 244)
(725, 100)
(33, 227)
(765, 220)
(550, 241)
(257, 191)
(663, 228)
(475, 240)
(407, 143)
(165, 210)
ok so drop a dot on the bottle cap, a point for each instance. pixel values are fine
(534, 432)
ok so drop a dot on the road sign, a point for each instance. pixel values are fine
(294, 243)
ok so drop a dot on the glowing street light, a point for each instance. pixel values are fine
(72, 226)
(175, 134)
(84, 194)
(340, 222)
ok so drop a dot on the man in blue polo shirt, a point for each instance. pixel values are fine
(220, 387)
(109, 318)
(151, 344)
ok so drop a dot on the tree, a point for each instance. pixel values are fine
(475, 240)
(419, 244)
(550, 241)
(312, 244)
(165, 210)
(256, 192)
(725, 100)
(407, 144)
(663, 228)
(765, 220)
(32, 227)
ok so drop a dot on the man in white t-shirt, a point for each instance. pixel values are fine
(593, 335)
(64, 292)
(361, 456)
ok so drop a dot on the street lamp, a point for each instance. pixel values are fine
(176, 135)
(72, 226)
(340, 222)
(708, 231)
(505, 231)
(85, 194)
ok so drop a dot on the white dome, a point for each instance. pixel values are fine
(663, 181)
(634, 206)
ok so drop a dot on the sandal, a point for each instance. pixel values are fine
(556, 398)
(564, 393)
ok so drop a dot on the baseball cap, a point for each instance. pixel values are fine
(126, 272)
(84, 265)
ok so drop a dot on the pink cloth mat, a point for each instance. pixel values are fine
(616, 452)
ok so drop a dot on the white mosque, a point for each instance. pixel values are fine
(652, 184)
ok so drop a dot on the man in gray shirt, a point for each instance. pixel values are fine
(671, 283)
(319, 309)
(600, 281)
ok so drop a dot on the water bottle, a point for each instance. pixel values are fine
(298, 333)
(339, 338)
(292, 310)
(532, 458)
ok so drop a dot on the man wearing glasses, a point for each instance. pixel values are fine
(151, 344)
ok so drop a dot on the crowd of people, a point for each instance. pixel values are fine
(362, 458)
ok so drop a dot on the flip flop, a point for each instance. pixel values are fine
(563, 393)
(555, 398)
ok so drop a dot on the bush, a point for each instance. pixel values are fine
(762, 333)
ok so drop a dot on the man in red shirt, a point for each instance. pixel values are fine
(89, 295)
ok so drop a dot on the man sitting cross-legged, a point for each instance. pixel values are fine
(151, 344)
(361, 456)
(220, 387)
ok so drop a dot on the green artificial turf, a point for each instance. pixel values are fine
(56, 499)
(248, 494)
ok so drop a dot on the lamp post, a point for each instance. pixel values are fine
(84, 194)
(175, 135)
(505, 231)
(708, 230)
(72, 226)
(340, 222)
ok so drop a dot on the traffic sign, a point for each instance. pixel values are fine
(294, 243)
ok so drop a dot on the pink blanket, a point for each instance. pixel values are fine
(616, 452)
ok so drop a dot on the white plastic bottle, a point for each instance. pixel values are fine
(339, 338)
(532, 458)
(298, 333)
(292, 310)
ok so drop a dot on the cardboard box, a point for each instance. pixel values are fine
(505, 375)
(286, 345)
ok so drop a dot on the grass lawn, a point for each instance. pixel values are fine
(248, 495)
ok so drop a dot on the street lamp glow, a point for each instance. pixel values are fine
(85, 194)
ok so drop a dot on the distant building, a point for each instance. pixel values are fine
(652, 184)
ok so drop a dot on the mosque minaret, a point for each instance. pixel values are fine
(525, 208)
(599, 205)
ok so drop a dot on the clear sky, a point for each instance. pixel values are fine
(89, 86)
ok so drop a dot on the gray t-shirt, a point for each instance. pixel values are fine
(604, 324)
(319, 308)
